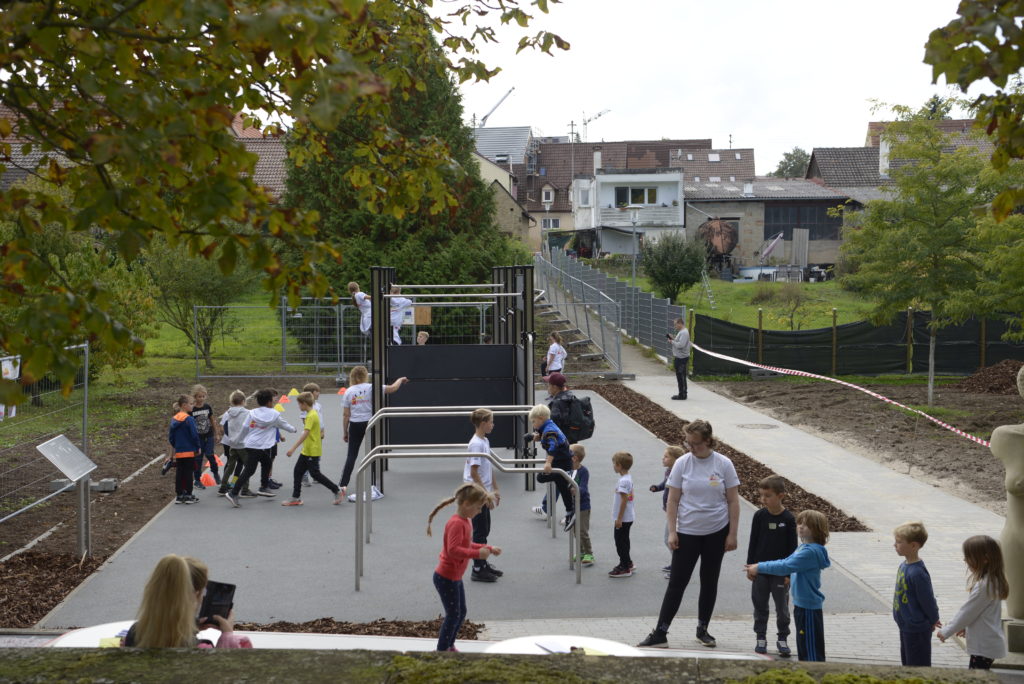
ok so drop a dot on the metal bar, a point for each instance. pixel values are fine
(195, 334)
(454, 287)
(458, 296)
(84, 510)
(284, 335)
(36, 503)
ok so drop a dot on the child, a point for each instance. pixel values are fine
(980, 617)
(478, 469)
(913, 603)
(559, 456)
(313, 389)
(772, 537)
(203, 415)
(357, 409)
(582, 477)
(554, 361)
(312, 450)
(361, 300)
(399, 305)
(668, 459)
(184, 439)
(264, 422)
(804, 568)
(235, 423)
(421, 337)
(455, 555)
(622, 513)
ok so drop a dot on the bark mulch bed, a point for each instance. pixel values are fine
(402, 628)
(999, 378)
(34, 583)
(669, 428)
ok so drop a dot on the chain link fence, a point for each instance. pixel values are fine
(25, 474)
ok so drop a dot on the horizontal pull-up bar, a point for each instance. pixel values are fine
(452, 287)
(456, 296)
(433, 411)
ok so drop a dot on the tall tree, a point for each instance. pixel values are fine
(916, 248)
(673, 264)
(793, 164)
(131, 104)
(460, 244)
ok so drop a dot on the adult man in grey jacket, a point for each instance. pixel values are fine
(680, 356)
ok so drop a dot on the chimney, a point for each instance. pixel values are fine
(597, 159)
(748, 188)
(883, 158)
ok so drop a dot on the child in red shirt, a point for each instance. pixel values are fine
(457, 551)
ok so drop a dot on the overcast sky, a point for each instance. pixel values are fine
(773, 74)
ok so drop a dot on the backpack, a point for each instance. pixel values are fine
(578, 418)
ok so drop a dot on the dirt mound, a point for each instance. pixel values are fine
(669, 428)
(1000, 378)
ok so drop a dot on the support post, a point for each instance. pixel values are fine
(983, 343)
(84, 508)
(910, 340)
(760, 335)
(835, 341)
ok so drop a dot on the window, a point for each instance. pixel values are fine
(715, 179)
(739, 156)
(696, 179)
(550, 223)
(627, 195)
(689, 157)
(815, 217)
(547, 195)
(584, 197)
(714, 156)
(543, 172)
(732, 179)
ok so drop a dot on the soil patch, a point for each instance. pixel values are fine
(669, 428)
(402, 628)
(999, 378)
(33, 583)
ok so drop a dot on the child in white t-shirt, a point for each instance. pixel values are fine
(357, 409)
(399, 305)
(361, 300)
(622, 513)
(478, 469)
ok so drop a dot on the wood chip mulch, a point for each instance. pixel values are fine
(669, 428)
(999, 378)
(401, 628)
(34, 583)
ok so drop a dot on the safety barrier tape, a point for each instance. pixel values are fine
(790, 371)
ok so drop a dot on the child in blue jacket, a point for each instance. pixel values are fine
(804, 567)
(184, 438)
(558, 456)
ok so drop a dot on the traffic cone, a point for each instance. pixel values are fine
(293, 393)
(284, 399)
(279, 408)
(341, 391)
(207, 479)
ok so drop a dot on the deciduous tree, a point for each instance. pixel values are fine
(673, 264)
(793, 164)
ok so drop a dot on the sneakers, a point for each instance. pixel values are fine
(539, 511)
(705, 639)
(233, 498)
(248, 494)
(494, 571)
(761, 646)
(656, 639)
(191, 499)
(221, 492)
(667, 569)
(783, 648)
(265, 491)
(588, 559)
(678, 397)
(570, 522)
(168, 464)
(306, 482)
(292, 502)
(619, 572)
(180, 499)
(483, 574)
(199, 485)
(339, 498)
(273, 484)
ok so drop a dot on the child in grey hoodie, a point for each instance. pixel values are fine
(264, 422)
(235, 422)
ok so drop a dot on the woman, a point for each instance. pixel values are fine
(704, 514)
(357, 409)
(170, 603)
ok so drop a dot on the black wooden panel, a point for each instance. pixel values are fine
(432, 361)
(449, 392)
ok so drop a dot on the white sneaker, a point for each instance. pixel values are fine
(539, 512)
(375, 494)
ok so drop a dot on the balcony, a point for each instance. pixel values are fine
(648, 216)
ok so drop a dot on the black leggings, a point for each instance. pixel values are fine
(561, 484)
(254, 458)
(356, 432)
(710, 549)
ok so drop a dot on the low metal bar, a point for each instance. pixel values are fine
(454, 287)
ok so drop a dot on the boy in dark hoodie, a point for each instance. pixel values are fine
(184, 439)
(804, 568)
(558, 456)
(264, 422)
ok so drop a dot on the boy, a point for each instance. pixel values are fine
(804, 567)
(559, 456)
(478, 469)
(235, 423)
(772, 537)
(668, 459)
(313, 389)
(622, 513)
(913, 604)
(582, 477)
(312, 450)
(264, 422)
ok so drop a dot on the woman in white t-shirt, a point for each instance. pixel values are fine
(704, 513)
(357, 409)
(555, 360)
(361, 300)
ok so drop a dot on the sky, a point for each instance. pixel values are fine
(772, 74)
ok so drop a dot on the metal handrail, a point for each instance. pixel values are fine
(427, 411)
(383, 451)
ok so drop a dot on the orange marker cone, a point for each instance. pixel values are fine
(207, 479)
(341, 391)
(284, 399)
(220, 461)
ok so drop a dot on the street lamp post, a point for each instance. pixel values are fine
(634, 218)
(545, 248)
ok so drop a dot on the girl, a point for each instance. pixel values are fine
(208, 430)
(804, 567)
(398, 308)
(361, 300)
(980, 617)
(456, 553)
(555, 360)
(184, 439)
(167, 617)
(357, 409)
(703, 514)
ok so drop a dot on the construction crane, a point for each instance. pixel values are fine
(483, 121)
(593, 118)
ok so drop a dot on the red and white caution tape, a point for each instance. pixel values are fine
(789, 371)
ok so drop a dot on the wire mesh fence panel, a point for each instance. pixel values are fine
(25, 475)
(237, 341)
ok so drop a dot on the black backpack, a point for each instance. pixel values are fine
(576, 418)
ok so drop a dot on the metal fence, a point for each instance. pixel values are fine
(25, 475)
(318, 337)
(644, 317)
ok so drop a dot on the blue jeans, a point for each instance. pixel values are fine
(453, 598)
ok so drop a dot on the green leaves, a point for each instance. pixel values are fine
(673, 264)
